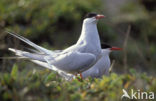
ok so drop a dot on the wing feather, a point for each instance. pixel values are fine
(72, 61)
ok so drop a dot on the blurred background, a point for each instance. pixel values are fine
(56, 24)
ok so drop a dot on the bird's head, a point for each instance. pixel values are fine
(93, 17)
(107, 48)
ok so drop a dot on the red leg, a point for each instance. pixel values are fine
(79, 79)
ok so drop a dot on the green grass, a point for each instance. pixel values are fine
(45, 85)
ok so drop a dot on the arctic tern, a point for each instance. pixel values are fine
(75, 59)
(102, 65)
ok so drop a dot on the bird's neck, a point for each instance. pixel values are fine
(105, 53)
(89, 34)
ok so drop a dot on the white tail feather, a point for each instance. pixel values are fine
(41, 49)
(17, 52)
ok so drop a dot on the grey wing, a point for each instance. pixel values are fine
(72, 61)
(100, 68)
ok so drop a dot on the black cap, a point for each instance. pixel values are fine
(90, 15)
(104, 46)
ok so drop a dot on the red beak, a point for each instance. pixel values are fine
(116, 48)
(99, 16)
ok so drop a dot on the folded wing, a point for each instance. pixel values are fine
(72, 62)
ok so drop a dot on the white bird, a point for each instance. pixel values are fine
(100, 68)
(74, 59)
(102, 65)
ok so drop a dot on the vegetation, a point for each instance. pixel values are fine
(48, 86)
